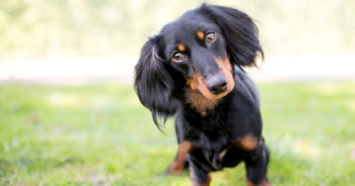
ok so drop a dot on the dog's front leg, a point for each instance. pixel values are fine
(200, 177)
(256, 162)
(180, 162)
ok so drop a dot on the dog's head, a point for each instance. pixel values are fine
(193, 58)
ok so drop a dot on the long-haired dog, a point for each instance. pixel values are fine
(193, 70)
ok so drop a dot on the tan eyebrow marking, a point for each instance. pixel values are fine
(200, 35)
(181, 47)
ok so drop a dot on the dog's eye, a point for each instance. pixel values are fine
(178, 57)
(210, 37)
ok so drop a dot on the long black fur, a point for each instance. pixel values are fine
(159, 91)
(160, 83)
(154, 84)
(242, 33)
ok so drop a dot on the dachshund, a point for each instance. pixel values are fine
(192, 70)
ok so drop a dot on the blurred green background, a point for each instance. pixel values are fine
(86, 28)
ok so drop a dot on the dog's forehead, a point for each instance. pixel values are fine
(186, 27)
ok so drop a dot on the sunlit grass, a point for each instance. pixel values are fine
(101, 135)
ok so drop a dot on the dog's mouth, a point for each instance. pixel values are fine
(217, 86)
(203, 95)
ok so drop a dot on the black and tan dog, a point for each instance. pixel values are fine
(193, 70)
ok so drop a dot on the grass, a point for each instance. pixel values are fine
(101, 135)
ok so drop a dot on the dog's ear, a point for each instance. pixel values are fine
(153, 83)
(240, 32)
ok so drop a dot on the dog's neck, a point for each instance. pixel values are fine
(198, 102)
(207, 116)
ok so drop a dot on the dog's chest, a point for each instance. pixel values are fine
(214, 137)
(216, 154)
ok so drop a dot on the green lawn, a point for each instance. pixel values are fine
(101, 135)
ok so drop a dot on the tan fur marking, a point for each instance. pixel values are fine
(181, 47)
(224, 63)
(263, 183)
(200, 35)
(178, 166)
(197, 93)
(247, 143)
(226, 69)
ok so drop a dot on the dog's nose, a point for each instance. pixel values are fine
(217, 84)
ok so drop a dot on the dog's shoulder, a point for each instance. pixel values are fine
(245, 85)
